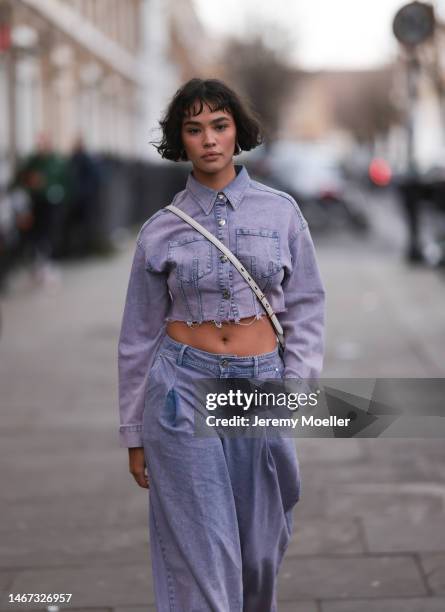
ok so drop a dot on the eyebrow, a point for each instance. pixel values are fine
(217, 120)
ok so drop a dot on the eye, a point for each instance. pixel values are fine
(221, 127)
(192, 130)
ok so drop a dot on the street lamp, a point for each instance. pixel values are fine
(413, 24)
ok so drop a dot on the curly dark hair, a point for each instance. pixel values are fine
(217, 96)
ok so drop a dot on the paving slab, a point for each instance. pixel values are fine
(379, 324)
(80, 512)
(319, 536)
(6, 579)
(300, 606)
(334, 450)
(349, 577)
(91, 586)
(403, 534)
(426, 604)
(376, 477)
(59, 467)
(434, 567)
(427, 455)
(136, 609)
(62, 546)
(313, 501)
(417, 500)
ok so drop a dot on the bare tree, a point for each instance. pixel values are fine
(258, 67)
(364, 105)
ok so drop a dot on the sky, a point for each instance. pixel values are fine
(326, 34)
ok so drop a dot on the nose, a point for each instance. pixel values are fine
(208, 138)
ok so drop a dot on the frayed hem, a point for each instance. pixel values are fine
(257, 317)
(219, 324)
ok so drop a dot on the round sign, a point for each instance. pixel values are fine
(414, 23)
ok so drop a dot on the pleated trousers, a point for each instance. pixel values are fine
(220, 508)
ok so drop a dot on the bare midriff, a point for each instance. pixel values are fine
(252, 337)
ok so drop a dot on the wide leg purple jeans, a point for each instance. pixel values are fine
(220, 508)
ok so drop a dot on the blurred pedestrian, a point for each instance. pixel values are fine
(15, 221)
(220, 513)
(84, 182)
(43, 174)
(410, 189)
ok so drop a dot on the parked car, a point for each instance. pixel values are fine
(311, 173)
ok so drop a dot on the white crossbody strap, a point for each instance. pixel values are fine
(238, 265)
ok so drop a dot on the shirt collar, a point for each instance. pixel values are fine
(234, 191)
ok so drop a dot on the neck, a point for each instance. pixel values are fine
(216, 180)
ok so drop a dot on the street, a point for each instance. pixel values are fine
(369, 529)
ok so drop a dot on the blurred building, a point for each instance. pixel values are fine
(373, 106)
(67, 67)
(176, 48)
(340, 107)
(101, 68)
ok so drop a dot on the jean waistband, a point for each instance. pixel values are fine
(250, 365)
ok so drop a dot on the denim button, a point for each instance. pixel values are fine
(222, 222)
(226, 294)
(224, 363)
(223, 259)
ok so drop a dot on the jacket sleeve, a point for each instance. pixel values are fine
(143, 326)
(303, 320)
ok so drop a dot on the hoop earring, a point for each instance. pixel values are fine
(238, 149)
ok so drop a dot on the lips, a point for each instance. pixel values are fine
(211, 155)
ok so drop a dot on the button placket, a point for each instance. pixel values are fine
(224, 270)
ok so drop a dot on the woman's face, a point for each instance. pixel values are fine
(209, 139)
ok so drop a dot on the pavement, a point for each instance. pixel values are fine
(369, 530)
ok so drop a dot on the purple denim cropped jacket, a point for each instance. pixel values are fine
(179, 275)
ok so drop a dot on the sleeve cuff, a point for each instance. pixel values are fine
(296, 384)
(129, 438)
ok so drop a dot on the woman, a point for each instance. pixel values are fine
(220, 508)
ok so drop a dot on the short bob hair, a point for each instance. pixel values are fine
(190, 99)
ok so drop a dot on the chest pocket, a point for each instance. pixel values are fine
(192, 258)
(259, 250)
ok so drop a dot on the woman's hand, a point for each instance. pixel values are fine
(137, 466)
